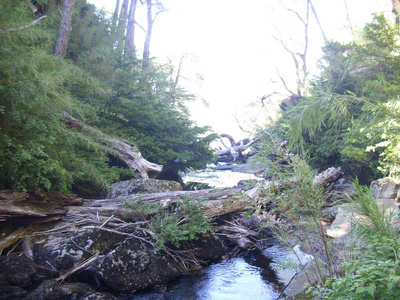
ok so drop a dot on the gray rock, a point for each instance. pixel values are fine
(142, 186)
(385, 188)
(64, 252)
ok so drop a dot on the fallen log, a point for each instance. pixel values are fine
(130, 155)
(327, 177)
(33, 205)
(214, 202)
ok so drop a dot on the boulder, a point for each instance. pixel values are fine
(53, 290)
(17, 270)
(133, 265)
(385, 188)
(122, 261)
(8, 292)
(143, 186)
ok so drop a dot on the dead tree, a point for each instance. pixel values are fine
(150, 22)
(65, 28)
(234, 151)
(130, 155)
(130, 31)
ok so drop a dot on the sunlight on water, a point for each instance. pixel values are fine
(217, 178)
(234, 279)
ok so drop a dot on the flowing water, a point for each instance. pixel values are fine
(261, 275)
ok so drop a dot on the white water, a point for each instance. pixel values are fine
(218, 178)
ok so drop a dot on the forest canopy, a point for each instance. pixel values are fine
(351, 114)
(96, 83)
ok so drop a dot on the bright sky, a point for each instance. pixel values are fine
(229, 43)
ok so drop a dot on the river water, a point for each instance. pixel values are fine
(259, 275)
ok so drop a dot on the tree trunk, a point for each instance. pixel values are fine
(396, 10)
(317, 19)
(130, 155)
(146, 50)
(115, 15)
(215, 202)
(130, 32)
(123, 17)
(65, 28)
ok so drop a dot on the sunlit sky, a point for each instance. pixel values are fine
(230, 44)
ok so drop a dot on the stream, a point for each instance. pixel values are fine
(262, 274)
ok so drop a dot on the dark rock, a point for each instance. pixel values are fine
(134, 266)
(17, 270)
(53, 290)
(9, 292)
(341, 191)
(99, 296)
(207, 248)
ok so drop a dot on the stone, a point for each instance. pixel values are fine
(143, 186)
(386, 188)
(9, 292)
(53, 290)
(99, 296)
(17, 270)
(64, 252)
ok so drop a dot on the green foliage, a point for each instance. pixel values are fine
(171, 224)
(373, 270)
(96, 85)
(298, 201)
(351, 117)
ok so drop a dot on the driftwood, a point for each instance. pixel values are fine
(36, 206)
(215, 202)
(235, 149)
(328, 176)
(130, 155)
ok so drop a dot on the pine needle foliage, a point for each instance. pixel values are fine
(96, 85)
(351, 117)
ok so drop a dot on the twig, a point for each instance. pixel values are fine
(106, 221)
(80, 266)
(21, 27)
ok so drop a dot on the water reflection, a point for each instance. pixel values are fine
(236, 278)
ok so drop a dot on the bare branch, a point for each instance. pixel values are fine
(317, 19)
(22, 27)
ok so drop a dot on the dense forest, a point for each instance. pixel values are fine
(100, 81)
(349, 115)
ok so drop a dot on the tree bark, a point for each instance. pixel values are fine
(215, 202)
(396, 10)
(130, 32)
(115, 15)
(65, 28)
(235, 149)
(146, 49)
(317, 19)
(123, 18)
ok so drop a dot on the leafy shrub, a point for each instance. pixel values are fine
(173, 224)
